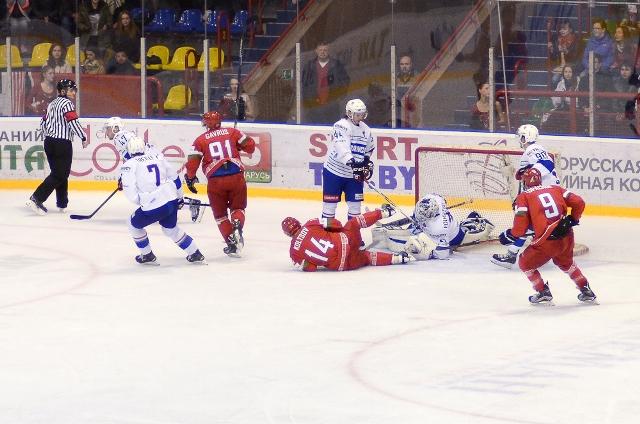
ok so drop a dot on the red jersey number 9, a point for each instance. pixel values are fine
(220, 150)
(549, 205)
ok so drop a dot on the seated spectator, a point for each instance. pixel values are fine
(620, 84)
(568, 82)
(481, 108)
(126, 37)
(563, 49)
(42, 93)
(227, 107)
(92, 65)
(94, 20)
(121, 65)
(601, 44)
(602, 83)
(57, 59)
(624, 49)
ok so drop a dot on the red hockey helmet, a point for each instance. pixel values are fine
(212, 120)
(291, 226)
(531, 178)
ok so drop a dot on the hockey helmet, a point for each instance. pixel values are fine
(532, 177)
(212, 120)
(135, 145)
(356, 110)
(427, 208)
(527, 134)
(291, 226)
(65, 85)
(115, 123)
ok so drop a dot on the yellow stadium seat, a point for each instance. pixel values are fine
(71, 55)
(179, 59)
(176, 98)
(162, 52)
(16, 60)
(213, 59)
(39, 55)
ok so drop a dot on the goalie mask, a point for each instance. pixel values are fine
(356, 110)
(531, 178)
(291, 226)
(527, 134)
(212, 120)
(427, 208)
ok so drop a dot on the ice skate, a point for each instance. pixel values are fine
(237, 235)
(587, 295)
(504, 260)
(196, 257)
(36, 206)
(148, 259)
(232, 248)
(401, 258)
(544, 296)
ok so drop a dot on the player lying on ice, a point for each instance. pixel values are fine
(325, 242)
(544, 208)
(431, 232)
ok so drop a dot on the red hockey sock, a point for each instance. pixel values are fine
(224, 225)
(370, 218)
(576, 275)
(239, 215)
(536, 279)
(378, 258)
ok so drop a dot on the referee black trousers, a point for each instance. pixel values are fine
(59, 155)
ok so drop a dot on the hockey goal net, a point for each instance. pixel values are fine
(471, 179)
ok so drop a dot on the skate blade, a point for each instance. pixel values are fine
(546, 303)
(35, 208)
(155, 263)
(589, 302)
(233, 255)
(504, 265)
(199, 263)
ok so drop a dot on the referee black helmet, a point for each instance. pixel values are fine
(65, 85)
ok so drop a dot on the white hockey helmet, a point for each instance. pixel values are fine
(356, 108)
(527, 134)
(115, 123)
(427, 208)
(135, 145)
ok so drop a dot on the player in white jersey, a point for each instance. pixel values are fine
(534, 156)
(115, 131)
(150, 182)
(348, 163)
(431, 232)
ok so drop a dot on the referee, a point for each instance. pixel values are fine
(58, 127)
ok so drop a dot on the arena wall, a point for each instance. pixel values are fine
(288, 161)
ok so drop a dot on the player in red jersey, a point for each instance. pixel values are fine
(219, 151)
(325, 242)
(544, 208)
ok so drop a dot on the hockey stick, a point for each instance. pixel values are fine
(389, 201)
(72, 216)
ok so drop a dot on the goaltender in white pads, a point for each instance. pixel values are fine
(431, 232)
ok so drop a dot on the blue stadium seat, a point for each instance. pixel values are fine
(239, 22)
(163, 21)
(211, 22)
(190, 21)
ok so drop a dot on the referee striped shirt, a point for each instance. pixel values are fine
(61, 120)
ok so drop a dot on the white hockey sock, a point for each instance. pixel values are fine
(329, 210)
(182, 239)
(140, 238)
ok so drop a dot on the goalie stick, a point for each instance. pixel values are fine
(81, 217)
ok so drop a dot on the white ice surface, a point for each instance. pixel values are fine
(87, 336)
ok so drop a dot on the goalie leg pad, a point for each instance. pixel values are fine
(396, 239)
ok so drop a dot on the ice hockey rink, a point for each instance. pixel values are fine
(89, 336)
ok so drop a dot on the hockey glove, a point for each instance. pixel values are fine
(358, 170)
(507, 238)
(120, 183)
(194, 208)
(367, 168)
(387, 210)
(563, 228)
(190, 182)
(521, 171)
